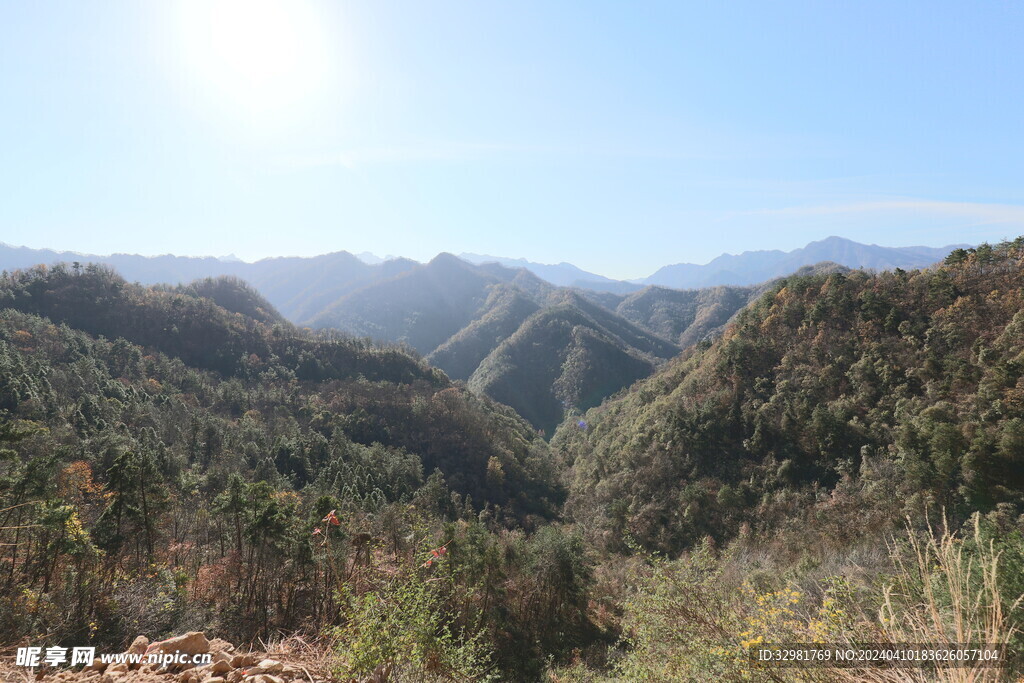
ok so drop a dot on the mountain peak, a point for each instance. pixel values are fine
(447, 259)
(834, 239)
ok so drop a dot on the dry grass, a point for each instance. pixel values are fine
(943, 594)
(315, 656)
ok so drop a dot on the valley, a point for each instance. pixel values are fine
(462, 342)
(182, 455)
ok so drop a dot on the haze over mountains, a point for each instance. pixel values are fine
(752, 267)
(298, 287)
(838, 405)
(547, 340)
(747, 268)
(344, 269)
(539, 348)
(562, 274)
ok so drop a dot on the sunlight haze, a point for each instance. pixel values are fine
(617, 137)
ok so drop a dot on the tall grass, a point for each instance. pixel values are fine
(944, 591)
(696, 618)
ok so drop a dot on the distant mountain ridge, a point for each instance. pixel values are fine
(298, 287)
(744, 269)
(541, 349)
(301, 287)
(545, 350)
(752, 267)
(562, 274)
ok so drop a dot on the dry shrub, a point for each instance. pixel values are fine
(945, 592)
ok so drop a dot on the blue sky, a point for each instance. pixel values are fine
(617, 136)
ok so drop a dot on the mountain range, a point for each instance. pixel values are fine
(752, 267)
(322, 277)
(562, 274)
(747, 268)
(511, 333)
(824, 380)
(188, 441)
(541, 349)
(298, 287)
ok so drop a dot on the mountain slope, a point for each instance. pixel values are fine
(683, 315)
(562, 274)
(235, 295)
(460, 315)
(458, 312)
(565, 357)
(406, 404)
(422, 307)
(505, 310)
(688, 316)
(195, 329)
(911, 380)
(144, 489)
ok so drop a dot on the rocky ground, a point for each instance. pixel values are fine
(292, 661)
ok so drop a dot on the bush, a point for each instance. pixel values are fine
(689, 621)
(947, 589)
(404, 624)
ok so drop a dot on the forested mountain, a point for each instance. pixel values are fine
(235, 295)
(687, 316)
(571, 354)
(153, 439)
(302, 288)
(540, 349)
(195, 329)
(846, 380)
(174, 458)
(208, 337)
(561, 274)
(423, 307)
(504, 311)
(299, 288)
(752, 267)
(464, 318)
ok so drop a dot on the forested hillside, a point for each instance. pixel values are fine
(461, 316)
(688, 316)
(504, 311)
(843, 465)
(299, 288)
(845, 381)
(235, 295)
(167, 465)
(566, 357)
(544, 351)
(421, 308)
(195, 329)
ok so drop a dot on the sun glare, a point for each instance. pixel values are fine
(264, 57)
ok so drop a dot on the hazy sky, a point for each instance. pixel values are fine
(619, 136)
